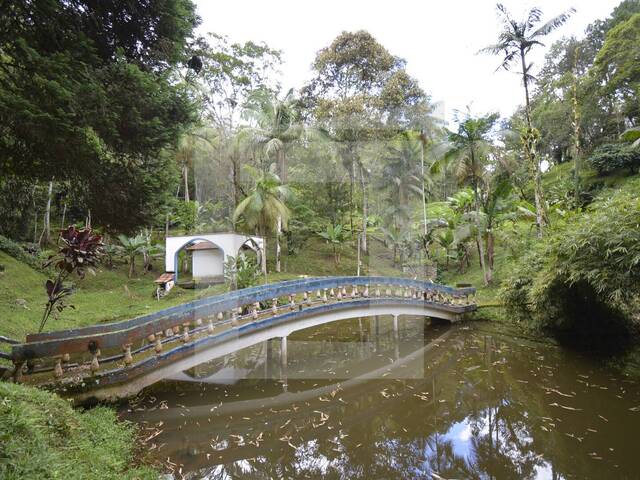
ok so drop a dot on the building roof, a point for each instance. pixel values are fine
(202, 246)
(164, 278)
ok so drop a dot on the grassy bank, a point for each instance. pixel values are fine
(42, 437)
(108, 296)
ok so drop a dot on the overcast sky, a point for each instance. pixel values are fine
(439, 39)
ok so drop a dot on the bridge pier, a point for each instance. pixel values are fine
(396, 337)
(283, 362)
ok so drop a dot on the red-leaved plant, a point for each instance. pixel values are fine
(79, 252)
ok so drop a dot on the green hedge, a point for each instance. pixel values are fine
(610, 157)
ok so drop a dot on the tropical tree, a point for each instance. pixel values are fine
(265, 206)
(276, 125)
(515, 42)
(336, 235)
(361, 92)
(495, 206)
(130, 247)
(401, 172)
(469, 148)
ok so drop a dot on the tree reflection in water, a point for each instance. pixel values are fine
(429, 402)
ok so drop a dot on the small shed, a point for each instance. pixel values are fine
(208, 262)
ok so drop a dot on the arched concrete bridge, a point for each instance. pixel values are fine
(115, 360)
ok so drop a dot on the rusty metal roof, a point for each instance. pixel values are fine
(164, 278)
(202, 246)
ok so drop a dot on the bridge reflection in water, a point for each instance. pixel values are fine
(331, 369)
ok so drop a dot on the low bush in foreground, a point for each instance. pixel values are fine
(42, 437)
(585, 274)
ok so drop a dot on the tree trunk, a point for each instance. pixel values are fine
(263, 256)
(490, 247)
(45, 238)
(278, 234)
(576, 131)
(424, 193)
(365, 211)
(530, 153)
(486, 274)
(282, 165)
(132, 265)
(185, 174)
(64, 214)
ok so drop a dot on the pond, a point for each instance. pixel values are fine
(378, 398)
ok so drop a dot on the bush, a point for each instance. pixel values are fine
(42, 437)
(615, 156)
(586, 273)
(14, 249)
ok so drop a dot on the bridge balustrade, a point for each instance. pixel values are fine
(90, 353)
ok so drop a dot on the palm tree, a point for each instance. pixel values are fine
(469, 148)
(276, 125)
(402, 168)
(264, 209)
(515, 41)
(336, 236)
(130, 247)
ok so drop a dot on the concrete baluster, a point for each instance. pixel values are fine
(210, 325)
(324, 296)
(128, 359)
(185, 332)
(158, 346)
(57, 371)
(274, 306)
(365, 294)
(95, 365)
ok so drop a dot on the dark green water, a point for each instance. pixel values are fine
(360, 400)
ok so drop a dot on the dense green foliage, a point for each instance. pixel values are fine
(42, 437)
(608, 158)
(91, 94)
(587, 272)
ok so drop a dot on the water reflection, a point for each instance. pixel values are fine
(387, 398)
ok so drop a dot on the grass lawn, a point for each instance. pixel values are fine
(42, 437)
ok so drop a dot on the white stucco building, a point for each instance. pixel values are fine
(209, 252)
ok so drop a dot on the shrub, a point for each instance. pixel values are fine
(16, 251)
(241, 271)
(586, 273)
(615, 156)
